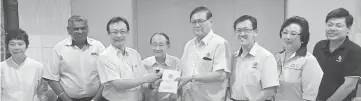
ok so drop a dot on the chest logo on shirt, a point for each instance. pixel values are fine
(170, 76)
(255, 65)
(293, 65)
(339, 59)
(94, 54)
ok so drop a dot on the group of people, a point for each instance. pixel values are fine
(82, 69)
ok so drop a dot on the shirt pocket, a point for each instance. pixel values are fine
(292, 73)
(205, 66)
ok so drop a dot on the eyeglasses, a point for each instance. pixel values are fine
(292, 33)
(120, 32)
(244, 30)
(200, 22)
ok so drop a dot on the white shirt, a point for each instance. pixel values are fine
(113, 65)
(171, 63)
(22, 82)
(211, 54)
(252, 72)
(75, 68)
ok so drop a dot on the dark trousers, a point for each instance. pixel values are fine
(84, 99)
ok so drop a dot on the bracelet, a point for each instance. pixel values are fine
(60, 94)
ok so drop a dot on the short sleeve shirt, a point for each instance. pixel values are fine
(300, 76)
(170, 63)
(252, 73)
(75, 68)
(342, 62)
(113, 65)
(211, 54)
(22, 82)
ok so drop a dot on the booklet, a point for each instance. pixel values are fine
(168, 84)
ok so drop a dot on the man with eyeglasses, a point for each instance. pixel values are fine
(339, 58)
(254, 74)
(120, 68)
(161, 60)
(205, 63)
(72, 72)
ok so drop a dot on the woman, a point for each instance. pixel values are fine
(21, 76)
(300, 73)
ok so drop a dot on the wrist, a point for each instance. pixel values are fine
(63, 97)
(193, 78)
(150, 86)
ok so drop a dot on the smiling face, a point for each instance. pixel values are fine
(78, 31)
(118, 33)
(336, 29)
(291, 36)
(159, 45)
(245, 33)
(201, 25)
(17, 47)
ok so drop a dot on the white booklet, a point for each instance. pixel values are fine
(168, 84)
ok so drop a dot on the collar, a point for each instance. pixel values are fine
(70, 42)
(118, 51)
(166, 62)
(326, 47)
(206, 38)
(253, 50)
(302, 51)
(11, 62)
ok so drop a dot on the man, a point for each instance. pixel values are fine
(339, 59)
(205, 62)
(72, 72)
(120, 68)
(254, 69)
(160, 44)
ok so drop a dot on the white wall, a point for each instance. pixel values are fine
(315, 12)
(99, 13)
(45, 22)
(172, 17)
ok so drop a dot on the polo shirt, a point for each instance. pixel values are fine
(252, 72)
(300, 76)
(75, 68)
(113, 65)
(342, 62)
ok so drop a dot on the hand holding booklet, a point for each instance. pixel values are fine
(168, 84)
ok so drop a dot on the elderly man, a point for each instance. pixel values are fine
(159, 43)
(205, 63)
